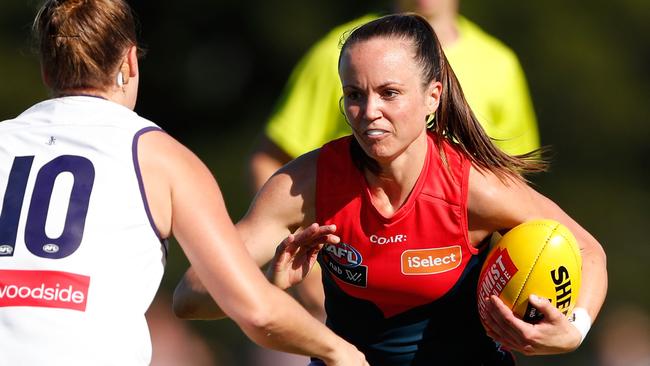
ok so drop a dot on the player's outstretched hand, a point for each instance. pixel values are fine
(552, 335)
(296, 255)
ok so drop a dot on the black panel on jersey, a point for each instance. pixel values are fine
(445, 332)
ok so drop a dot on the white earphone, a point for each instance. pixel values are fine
(120, 79)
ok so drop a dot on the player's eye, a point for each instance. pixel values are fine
(352, 95)
(389, 93)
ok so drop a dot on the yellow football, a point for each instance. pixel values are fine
(539, 257)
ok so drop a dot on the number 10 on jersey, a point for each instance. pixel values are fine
(36, 239)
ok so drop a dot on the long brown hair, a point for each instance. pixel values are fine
(81, 43)
(454, 119)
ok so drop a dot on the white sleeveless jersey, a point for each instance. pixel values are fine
(80, 258)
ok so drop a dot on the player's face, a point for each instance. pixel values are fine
(384, 97)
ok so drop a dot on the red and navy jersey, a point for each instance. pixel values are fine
(402, 288)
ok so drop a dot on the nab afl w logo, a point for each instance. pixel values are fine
(344, 254)
(344, 261)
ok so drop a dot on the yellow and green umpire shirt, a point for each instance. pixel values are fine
(307, 114)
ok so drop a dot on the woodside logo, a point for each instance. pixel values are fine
(51, 289)
(431, 261)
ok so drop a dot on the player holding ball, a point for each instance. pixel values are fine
(412, 199)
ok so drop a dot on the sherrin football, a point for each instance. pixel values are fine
(539, 257)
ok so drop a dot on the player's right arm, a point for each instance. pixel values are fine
(185, 201)
(282, 206)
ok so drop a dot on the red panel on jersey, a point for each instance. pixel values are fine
(407, 260)
(51, 289)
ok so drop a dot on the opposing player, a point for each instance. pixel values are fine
(90, 193)
(413, 207)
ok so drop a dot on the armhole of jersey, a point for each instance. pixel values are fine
(464, 189)
(138, 174)
(318, 209)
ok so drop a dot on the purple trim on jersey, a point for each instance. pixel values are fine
(82, 95)
(138, 174)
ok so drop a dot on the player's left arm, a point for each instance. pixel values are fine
(499, 205)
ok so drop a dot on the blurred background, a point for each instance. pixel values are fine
(215, 68)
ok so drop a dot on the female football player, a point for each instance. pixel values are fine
(412, 198)
(91, 192)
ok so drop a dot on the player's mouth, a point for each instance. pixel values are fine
(375, 133)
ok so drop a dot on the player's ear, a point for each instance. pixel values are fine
(133, 61)
(129, 68)
(434, 91)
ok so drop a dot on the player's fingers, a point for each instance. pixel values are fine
(318, 230)
(313, 232)
(323, 232)
(494, 326)
(288, 241)
(307, 232)
(523, 333)
(331, 239)
(287, 246)
(508, 316)
(319, 242)
(498, 331)
(313, 253)
(503, 323)
(307, 254)
(545, 307)
(308, 260)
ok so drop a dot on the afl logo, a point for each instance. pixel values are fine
(6, 249)
(344, 254)
(50, 248)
